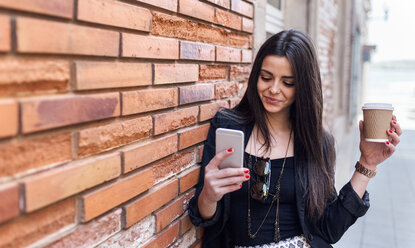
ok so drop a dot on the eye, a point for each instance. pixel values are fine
(288, 84)
(266, 79)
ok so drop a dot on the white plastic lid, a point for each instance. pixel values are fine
(386, 106)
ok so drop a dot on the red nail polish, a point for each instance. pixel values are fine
(247, 176)
(246, 170)
(387, 142)
(230, 149)
(390, 131)
(240, 185)
(394, 122)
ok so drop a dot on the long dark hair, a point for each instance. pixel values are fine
(305, 114)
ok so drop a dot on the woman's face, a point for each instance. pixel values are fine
(276, 86)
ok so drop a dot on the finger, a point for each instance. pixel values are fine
(231, 172)
(218, 158)
(391, 148)
(396, 127)
(394, 117)
(231, 181)
(362, 134)
(230, 188)
(393, 137)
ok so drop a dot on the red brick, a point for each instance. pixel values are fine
(228, 19)
(54, 185)
(226, 89)
(199, 154)
(101, 75)
(212, 72)
(165, 4)
(247, 25)
(185, 224)
(189, 179)
(34, 153)
(173, 164)
(207, 111)
(90, 234)
(137, 156)
(33, 227)
(197, 51)
(243, 8)
(240, 73)
(103, 12)
(46, 113)
(239, 40)
(101, 200)
(175, 119)
(148, 100)
(234, 102)
(165, 238)
(39, 36)
(246, 56)
(192, 136)
(153, 200)
(5, 40)
(9, 204)
(196, 93)
(187, 240)
(49, 7)
(224, 3)
(138, 46)
(19, 77)
(210, 34)
(101, 138)
(175, 73)
(9, 118)
(228, 54)
(197, 9)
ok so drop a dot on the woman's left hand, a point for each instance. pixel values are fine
(373, 153)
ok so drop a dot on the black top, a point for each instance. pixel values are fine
(288, 219)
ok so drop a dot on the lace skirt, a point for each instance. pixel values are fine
(294, 242)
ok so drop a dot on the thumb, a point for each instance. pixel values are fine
(218, 158)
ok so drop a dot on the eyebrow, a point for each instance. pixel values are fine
(288, 77)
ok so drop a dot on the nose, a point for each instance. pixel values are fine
(275, 88)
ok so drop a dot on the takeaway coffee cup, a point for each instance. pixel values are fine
(377, 117)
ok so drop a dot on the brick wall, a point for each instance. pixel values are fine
(104, 105)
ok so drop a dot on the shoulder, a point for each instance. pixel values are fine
(226, 118)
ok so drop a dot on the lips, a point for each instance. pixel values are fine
(272, 100)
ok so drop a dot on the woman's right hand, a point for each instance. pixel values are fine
(219, 182)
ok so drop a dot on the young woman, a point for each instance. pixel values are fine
(287, 196)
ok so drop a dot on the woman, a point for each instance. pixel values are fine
(287, 198)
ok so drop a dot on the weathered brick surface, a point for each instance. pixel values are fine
(226, 89)
(20, 77)
(9, 204)
(189, 179)
(142, 154)
(173, 164)
(165, 238)
(34, 153)
(101, 138)
(192, 136)
(242, 8)
(234, 102)
(49, 7)
(187, 240)
(185, 224)
(41, 114)
(149, 47)
(228, 54)
(223, 3)
(30, 228)
(147, 100)
(197, 9)
(153, 200)
(175, 119)
(102, 12)
(39, 36)
(197, 51)
(212, 72)
(89, 234)
(5, 40)
(207, 111)
(196, 93)
(239, 73)
(228, 19)
(52, 186)
(247, 25)
(102, 75)
(103, 199)
(9, 118)
(247, 56)
(165, 4)
(175, 73)
(239, 40)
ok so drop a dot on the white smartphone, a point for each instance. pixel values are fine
(230, 138)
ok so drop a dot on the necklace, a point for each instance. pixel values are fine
(276, 198)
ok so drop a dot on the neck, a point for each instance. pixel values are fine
(279, 122)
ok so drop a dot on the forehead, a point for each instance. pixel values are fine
(277, 65)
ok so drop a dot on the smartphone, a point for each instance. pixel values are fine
(230, 138)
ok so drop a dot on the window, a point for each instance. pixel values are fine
(274, 19)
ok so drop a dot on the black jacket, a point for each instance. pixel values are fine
(339, 215)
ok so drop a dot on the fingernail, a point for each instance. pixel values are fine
(240, 185)
(247, 176)
(394, 122)
(230, 149)
(387, 142)
(246, 170)
(390, 131)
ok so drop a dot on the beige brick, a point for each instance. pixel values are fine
(246, 56)
(228, 54)
(34, 153)
(48, 7)
(196, 93)
(197, 51)
(9, 124)
(197, 10)
(54, 185)
(39, 36)
(165, 4)
(102, 75)
(226, 89)
(175, 119)
(212, 72)
(189, 179)
(5, 32)
(103, 199)
(192, 136)
(138, 46)
(9, 204)
(41, 114)
(175, 73)
(145, 153)
(147, 100)
(32, 227)
(171, 165)
(243, 8)
(228, 19)
(165, 238)
(101, 138)
(207, 111)
(224, 3)
(22, 76)
(247, 25)
(114, 13)
(153, 200)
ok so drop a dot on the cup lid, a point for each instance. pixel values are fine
(386, 106)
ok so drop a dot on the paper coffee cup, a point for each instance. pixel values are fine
(377, 117)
